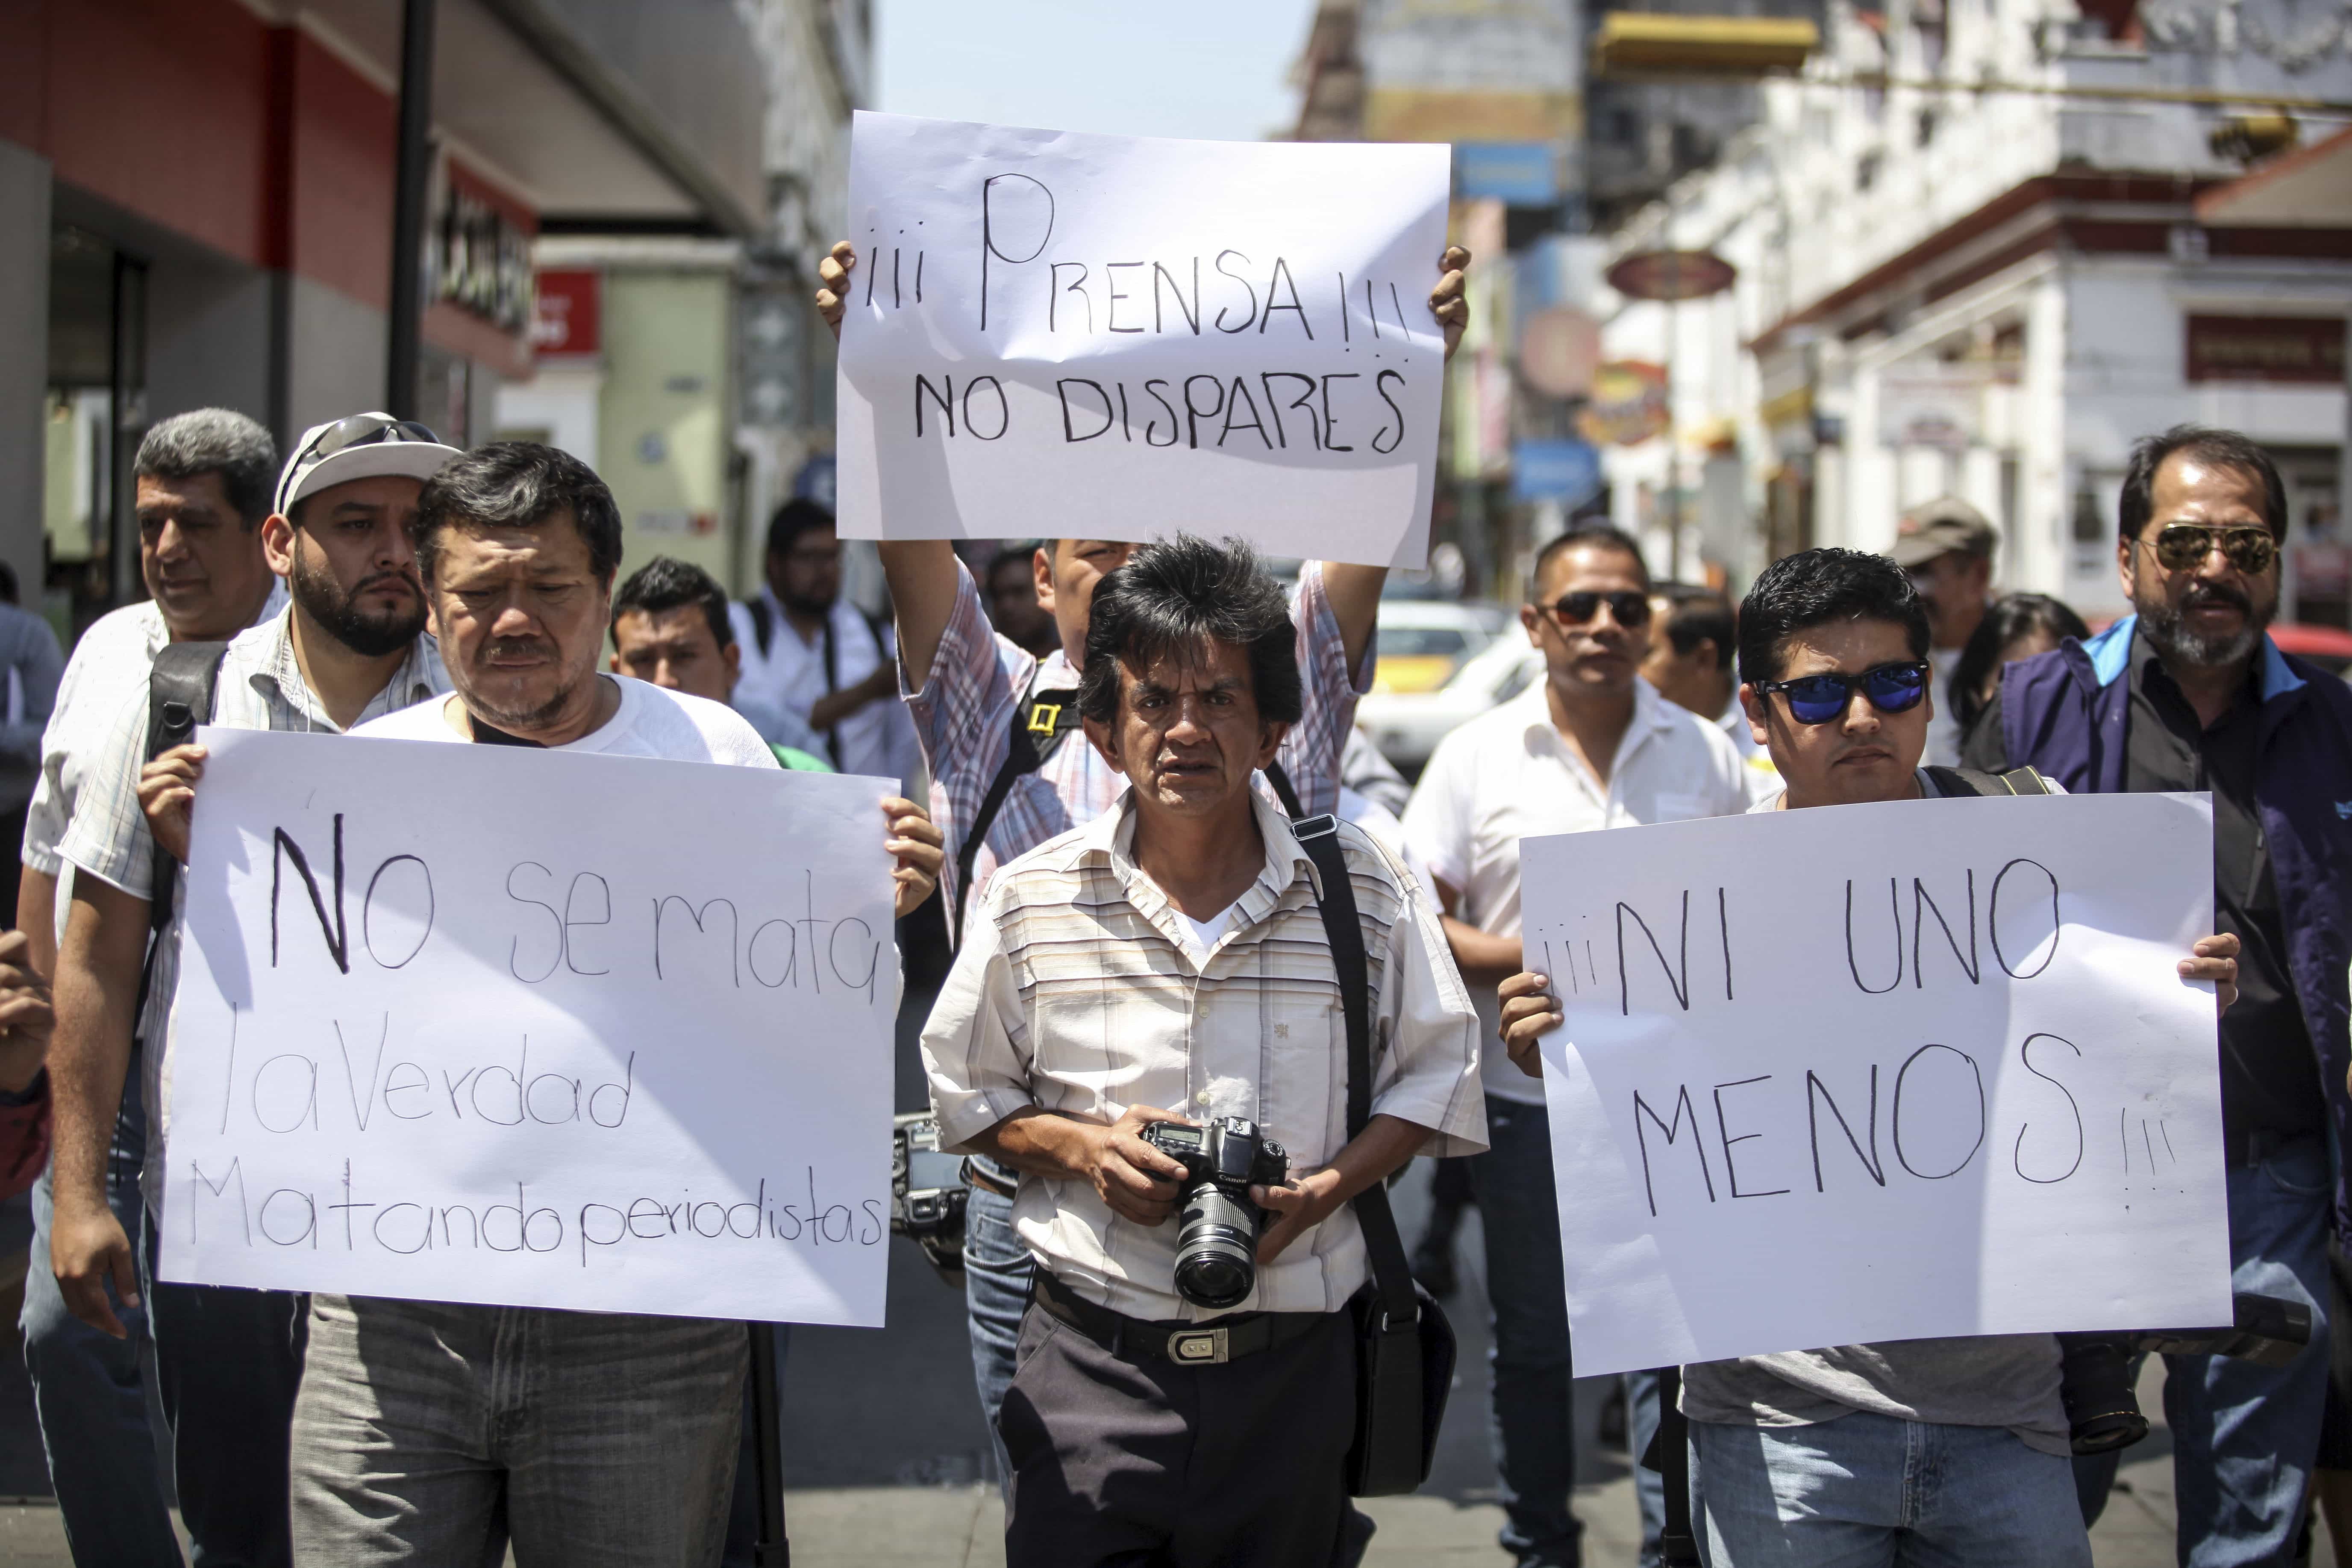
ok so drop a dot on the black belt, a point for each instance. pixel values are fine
(990, 1177)
(1184, 1344)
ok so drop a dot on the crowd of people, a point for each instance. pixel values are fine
(1219, 974)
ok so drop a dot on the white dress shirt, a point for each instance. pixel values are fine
(1507, 776)
(790, 678)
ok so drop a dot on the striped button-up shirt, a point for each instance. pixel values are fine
(963, 716)
(260, 687)
(1078, 991)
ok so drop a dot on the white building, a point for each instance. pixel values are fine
(1994, 292)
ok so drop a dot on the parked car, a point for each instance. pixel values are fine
(2330, 647)
(1407, 725)
(1421, 642)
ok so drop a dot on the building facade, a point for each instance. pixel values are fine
(1974, 276)
(196, 208)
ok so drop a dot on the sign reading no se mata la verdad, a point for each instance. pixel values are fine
(1881, 1072)
(477, 1024)
(1122, 337)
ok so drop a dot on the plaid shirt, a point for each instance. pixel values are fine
(111, 658)
(963, 716)
(110, 840)
(1077, 990)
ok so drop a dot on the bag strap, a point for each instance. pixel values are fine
(1284, 793)
(1041, 722)
(1977, 781)
(179, 696)
(1343, 929)
(763, 624)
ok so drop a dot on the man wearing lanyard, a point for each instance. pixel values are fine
(818, 673)
(994, 722)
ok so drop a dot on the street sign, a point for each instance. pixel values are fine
(1563, 469)
(1628, 406)
(1670, 275)
(1559, 347)
(1520, 173)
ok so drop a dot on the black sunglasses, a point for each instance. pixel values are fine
(361, 430)
(1823, 698)
(1630, 610)
(2183, 546)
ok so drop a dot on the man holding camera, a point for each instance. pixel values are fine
(1946, 1450)
(1177, 1397)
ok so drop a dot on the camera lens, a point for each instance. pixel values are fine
(1217, 1261)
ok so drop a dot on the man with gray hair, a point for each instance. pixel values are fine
(203, 483)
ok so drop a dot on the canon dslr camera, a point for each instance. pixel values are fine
(1216, 1241)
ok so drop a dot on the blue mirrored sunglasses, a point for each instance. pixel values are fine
(1822, 698)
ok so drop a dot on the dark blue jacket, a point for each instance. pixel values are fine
(2064, 712)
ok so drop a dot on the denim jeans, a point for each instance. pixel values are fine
(1649, 1485)
(1870, 1491)
(435, 1433)
(90, 1389)
(996, 1294)
(2244, 1437)
(1534, 1422)
(227, 1362)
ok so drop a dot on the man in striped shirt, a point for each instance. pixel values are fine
(1169, 960)
(970, 692)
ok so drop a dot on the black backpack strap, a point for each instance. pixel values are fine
(180, 690)
(1977, 781)
(764, 625)
(1678, 1541)
(1343, 929)
(1283, 792)
(1041, 722)
(179, 698)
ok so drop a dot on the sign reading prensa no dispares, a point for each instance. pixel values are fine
(1137, 335)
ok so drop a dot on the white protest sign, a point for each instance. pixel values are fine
(1882, 1072)
(1120, 337)
(482, 1024)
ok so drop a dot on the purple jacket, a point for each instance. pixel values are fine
(2063, 712)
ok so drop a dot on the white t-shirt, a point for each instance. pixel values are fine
(1206, 932)
(789, 679)
(652, 722)
(1508, 774)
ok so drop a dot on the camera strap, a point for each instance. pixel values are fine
(1404, 1346)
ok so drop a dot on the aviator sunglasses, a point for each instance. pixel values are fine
(2183, 546)
(1632, 610)
(1822, 698)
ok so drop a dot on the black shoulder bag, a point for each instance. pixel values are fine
(1404, 1346)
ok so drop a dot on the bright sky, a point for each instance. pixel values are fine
(1211, 69)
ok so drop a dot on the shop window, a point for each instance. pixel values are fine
(96, 409)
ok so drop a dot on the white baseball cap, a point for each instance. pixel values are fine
(363, 447)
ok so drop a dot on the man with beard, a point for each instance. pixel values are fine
(2189, 694)
(347, 648)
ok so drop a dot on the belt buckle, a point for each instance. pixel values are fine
(1198, 1347)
